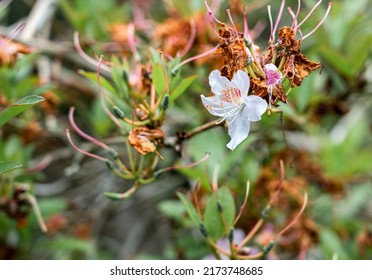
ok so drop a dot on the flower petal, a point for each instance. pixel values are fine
(216, 106)
(273, 75)
(238, 129)
(241, 81)
(255, 106)
(217, 82)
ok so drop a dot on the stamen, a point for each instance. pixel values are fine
(210, 12)
(40, 166)
(258, 29)
(309, 14)
(221, 120)
(131, 42)
(223, 109)
(83, 134)
(32, 200)
(241, 209)
(246, 27)
(82, 151)
(84, 55)
(296, 217)
(16, 30)
(301, 35)
(294, 24)
(291, 63)
(232, 22)
(195, 58)
(184, 166)
(104, 96)
(320, 23)
(210, 17)
(278, 19)
(191, 39)
(235, 114)
(99, 80)
(271, 23)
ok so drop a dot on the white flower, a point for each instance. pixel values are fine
(232, 103)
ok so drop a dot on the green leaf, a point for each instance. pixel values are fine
(337, 60)
(6, 166)
(332, 244)
(120, 77)
(172, 209)
(181, 88)
(358, 52)
(93, 77)
(68, 244)
(16, 108)
(158, 78)
(193, 214)
(212, 216)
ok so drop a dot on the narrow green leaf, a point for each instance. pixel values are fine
(158, 78)
(193, 214)
(93, 77)
(213, 214)
(174, 209)
(337, 60)
(181, 88)
(332, 244)
(6, 166)
(16, 108)
(358, 52)
(120, 77)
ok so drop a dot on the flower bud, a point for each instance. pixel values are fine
(118, 112)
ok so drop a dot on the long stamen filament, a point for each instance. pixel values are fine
(246, 27)
(195, 58)
(191, 39)
(232, 22)
(236, 114)
(320, 23)
(295, 23)
(278, 19)
(82, 151)
(210, 12)
(271, 23)
(309, 14)
(83, 134)
(84, 55)
(224, 109)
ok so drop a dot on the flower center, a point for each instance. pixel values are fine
(232, 95)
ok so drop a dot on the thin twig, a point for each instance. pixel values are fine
(201, 128)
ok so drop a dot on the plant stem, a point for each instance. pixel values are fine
(201, 128)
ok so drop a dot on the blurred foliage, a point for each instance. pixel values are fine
(324, 138)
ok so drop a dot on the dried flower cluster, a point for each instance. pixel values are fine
(281, 61)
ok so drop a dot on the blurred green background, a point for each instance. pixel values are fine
(324, 139)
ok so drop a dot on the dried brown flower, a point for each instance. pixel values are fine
(145, 140)
(9, 51)
(232, 48)
(297, 65)
(173, 35)
(119, 32)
